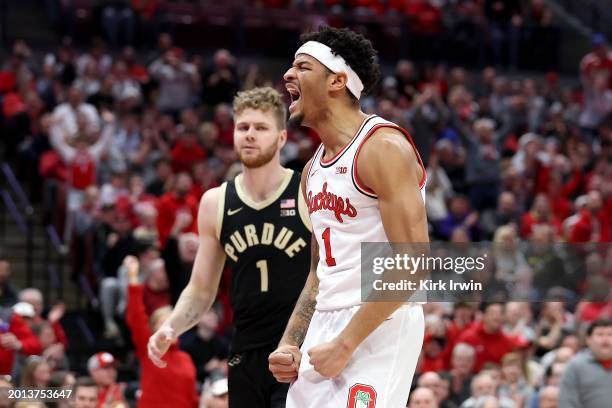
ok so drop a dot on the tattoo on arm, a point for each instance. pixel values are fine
(305, 307)
(188, 311)
(191, 316)
(302, 315)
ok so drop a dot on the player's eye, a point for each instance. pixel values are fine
(261, 128)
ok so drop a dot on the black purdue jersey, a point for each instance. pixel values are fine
(268, 251)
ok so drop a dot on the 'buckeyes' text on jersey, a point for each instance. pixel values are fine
(344, 213)
(267, 245)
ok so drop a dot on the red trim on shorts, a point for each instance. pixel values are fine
(363, 188)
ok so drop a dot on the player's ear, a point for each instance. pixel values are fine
(282, 138)
(338, 81)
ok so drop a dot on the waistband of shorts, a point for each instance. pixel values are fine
(349, 307)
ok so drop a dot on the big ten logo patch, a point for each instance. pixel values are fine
(361, 396)
(341, 170)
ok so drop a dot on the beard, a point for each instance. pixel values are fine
(264, 157)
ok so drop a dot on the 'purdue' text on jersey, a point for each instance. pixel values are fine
(268, 251)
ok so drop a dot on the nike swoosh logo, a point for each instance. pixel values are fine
(232, 212)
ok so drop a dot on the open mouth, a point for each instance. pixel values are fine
(295, 95)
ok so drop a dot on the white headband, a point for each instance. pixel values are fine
(334, 63)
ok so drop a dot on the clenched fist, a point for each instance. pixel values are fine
(284, 363)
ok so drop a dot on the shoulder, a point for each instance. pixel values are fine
(581, 359)
(388, 150)
(388, 142)
(210, 199)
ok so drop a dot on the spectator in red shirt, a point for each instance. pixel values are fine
(561, 206)
(15, 336)
(598, 60)
(595, 301)
(156, 290)
(54, 352)
(487, 337)
(426, 18)
(174, 385)
(433, 354)
(102, 368)
(463, 316)
(590, 311)
(136, 71)
(34, 297)
(595, 305)
(170, 204)
(592, 224)
(539, 214)
(187, 152)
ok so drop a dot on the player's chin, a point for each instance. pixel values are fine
(252, 162)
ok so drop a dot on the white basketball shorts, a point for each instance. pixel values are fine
(380, 371)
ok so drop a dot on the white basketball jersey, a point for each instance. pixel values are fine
(344, 213)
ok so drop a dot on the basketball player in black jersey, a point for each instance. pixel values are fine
(258, 225)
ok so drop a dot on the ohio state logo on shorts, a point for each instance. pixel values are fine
(361, 396)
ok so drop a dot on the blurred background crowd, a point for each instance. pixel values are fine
(111, 134)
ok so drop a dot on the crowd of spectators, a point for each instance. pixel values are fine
(514, 33)
(128, 142)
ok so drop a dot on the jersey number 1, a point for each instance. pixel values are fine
(263, 272)
(329, 259)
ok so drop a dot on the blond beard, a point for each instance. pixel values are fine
(263, 158)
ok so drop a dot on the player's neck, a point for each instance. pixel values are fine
(338, 128)
(260, 183)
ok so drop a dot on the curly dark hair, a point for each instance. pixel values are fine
(356, 50)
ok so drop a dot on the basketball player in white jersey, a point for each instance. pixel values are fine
(365, 183)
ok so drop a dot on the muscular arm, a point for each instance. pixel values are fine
(305, 306)
(388, 165)
(199, 294)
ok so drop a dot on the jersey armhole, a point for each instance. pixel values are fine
(303, 209)
(313, 162)
(362, 188)
(220, 209)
